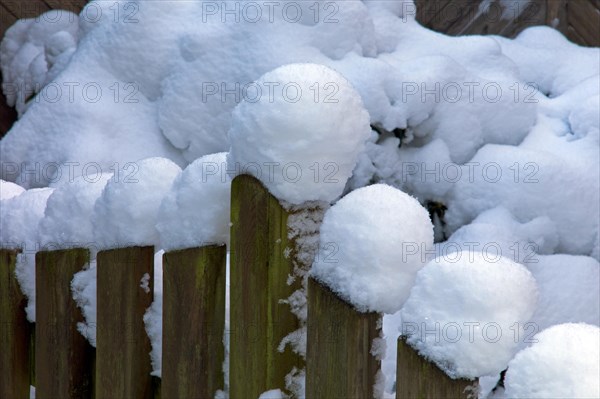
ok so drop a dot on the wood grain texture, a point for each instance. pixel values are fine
(417, 378)
(579, 20)
(584, 18)
(259, 274)
(193, 322)
(122, 345)
(14, 331)
(63, 359)
(339, 363)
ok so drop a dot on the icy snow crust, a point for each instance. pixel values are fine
(499, 136)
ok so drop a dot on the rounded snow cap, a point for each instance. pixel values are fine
(370, 249)
(563, 362)
(196, 210)
(127, 211)
(468, 311)
(299, 129)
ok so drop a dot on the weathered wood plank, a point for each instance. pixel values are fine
(26, 9)
(193, 322)
(585, 19)
(259, 274)
(339, 362)
(14, 331)
(556, 14)
(416, 377)
(122, 345)
(63, 356)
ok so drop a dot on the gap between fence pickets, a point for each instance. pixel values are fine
(304, 222)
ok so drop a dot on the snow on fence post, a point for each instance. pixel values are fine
(14, 331)
(193, 322)
(125, 290)
(339, 360)
(63, 359)
(259, 282)
(417, 377)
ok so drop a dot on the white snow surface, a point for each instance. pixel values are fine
(35, 50)
(272, 394)
(195, 212)
(126, 212)
(303, 140)
(563, 363)
(67, 219)
(568, 290)
(370, 247)
(466, 312)
(9, 190)
(149, 81)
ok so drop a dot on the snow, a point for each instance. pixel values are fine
(196, 210)
(83, 288)
(153, 316)
(19, 220)
(67, 218)
(126, 212)
(325, 128)
(467, 312)
(272, 394)
(33, 51)
(371, 247)
(546, 57)
(514, 175)
(9, 190)
(568, 290)
(563, 363)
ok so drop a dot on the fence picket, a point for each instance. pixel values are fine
(339, 362)
(122, 345)
(416, 377)
(259, 276)
(63, 361)
(14, 331)
(193, 322)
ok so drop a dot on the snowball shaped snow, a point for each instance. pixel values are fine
(196, 210)
(370, 247)
(300, 132)
(126, 212)
(564, 362)
(67, 218)
(467, 312)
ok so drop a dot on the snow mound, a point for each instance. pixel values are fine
(568, 290)
(196, 210)
(272, 394)
(303, 140)
(33, 51)
(466, 313)
(563, 363)
(67, 219)
(126, 212)
(9, 190)
(370, 247)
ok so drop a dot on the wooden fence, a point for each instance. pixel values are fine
(60, 363)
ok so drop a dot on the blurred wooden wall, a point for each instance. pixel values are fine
(579, 20)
